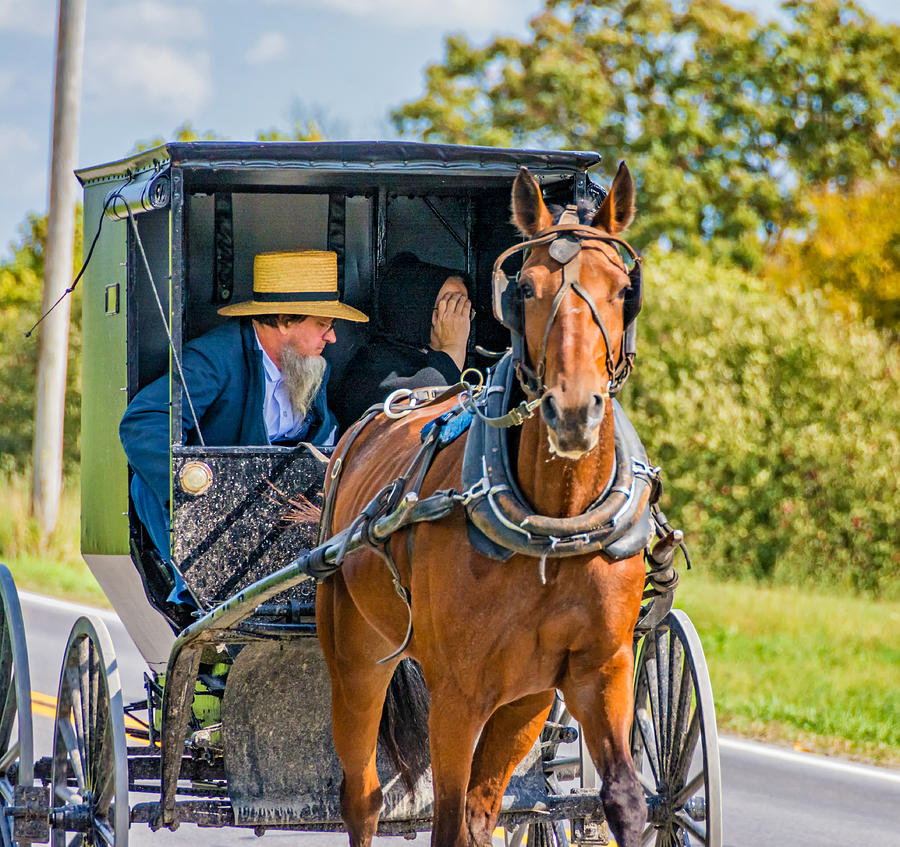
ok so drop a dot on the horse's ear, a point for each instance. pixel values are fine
(617, 210)
(530, 214)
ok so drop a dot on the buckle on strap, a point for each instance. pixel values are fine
(644, 469)
(474, 492)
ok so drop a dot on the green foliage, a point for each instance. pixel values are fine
(775, 422)
(308, 123)
(785, 665)
(851, 251)
(21, 294)
(300, 131)
(719, 114)
(185, 132)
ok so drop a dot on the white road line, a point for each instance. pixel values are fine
(66, 606)
(758, 748)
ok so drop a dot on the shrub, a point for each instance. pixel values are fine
(21, 292)
(775, 422)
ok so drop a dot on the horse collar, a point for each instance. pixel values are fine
(617, 524)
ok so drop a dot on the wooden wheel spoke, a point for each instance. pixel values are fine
(662, 695)
(68, 795)
(104, 832)
(102, 741)
(73, 680)
(6, 653)
(106, 778)
(97, 711)
(9, 713)
(66, 732)
(651, 669)
(686, 753)
(650, 788)
(685, 701)
(646, 732)
(693, 785)
(9, 757)
(675, 668)
(690, 826)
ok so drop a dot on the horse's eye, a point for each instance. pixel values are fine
(526, 288)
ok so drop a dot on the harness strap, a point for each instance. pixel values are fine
(337, 466)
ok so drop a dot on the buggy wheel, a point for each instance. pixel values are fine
(673, 738)
(89, 775)
(16, 733)
(540, 834)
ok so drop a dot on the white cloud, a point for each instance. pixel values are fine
(143, 54)
(16, 140)
(157, 76)
(152, 18)
(36, 17)
(269, 47)
(467, 14)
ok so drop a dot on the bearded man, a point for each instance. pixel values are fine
(258, 380)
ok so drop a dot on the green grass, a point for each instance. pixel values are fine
(53, 566)
(818, 671)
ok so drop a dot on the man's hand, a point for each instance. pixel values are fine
(450, 321)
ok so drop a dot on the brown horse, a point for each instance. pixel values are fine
(494, 643)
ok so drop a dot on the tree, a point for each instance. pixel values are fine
(850, 251)
(21, 287)
(185, 132)
(721, 116)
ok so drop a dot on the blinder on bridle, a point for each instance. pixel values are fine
(566, 243)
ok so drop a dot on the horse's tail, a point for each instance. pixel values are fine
(403, 732)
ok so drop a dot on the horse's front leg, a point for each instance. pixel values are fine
(506, 738)
(600, 697)
(358, 686)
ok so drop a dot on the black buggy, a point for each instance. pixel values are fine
(180, 226)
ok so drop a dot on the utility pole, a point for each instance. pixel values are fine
(46, 485)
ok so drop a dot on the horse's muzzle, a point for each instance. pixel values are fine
(573, 429)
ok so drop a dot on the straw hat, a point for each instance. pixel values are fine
(302, 282)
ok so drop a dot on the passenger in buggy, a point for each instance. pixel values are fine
(423, 314)
(258, 380)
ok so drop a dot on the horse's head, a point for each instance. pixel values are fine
(573, 291)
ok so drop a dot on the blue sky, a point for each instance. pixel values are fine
(231, 66)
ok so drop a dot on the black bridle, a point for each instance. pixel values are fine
(566, 242)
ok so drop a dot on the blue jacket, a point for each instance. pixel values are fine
(223, 370)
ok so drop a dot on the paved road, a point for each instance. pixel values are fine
(773, 797)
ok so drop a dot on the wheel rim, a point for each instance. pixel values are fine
(89, 777)
(674, 741)
(16, 731)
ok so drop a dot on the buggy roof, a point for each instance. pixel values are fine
(349, 157)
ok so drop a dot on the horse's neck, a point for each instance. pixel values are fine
(562, 488)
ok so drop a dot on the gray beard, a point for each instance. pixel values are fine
(302, 377)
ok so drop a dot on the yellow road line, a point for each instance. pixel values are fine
(45, 706)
